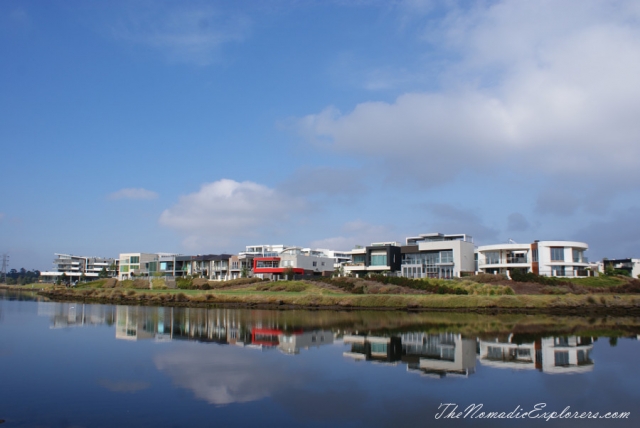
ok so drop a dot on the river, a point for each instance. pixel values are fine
(89, 365)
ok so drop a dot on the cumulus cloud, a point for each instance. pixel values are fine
(224, 210)
(554, 91)
(224, 376)
(184, 33)
(133, 193)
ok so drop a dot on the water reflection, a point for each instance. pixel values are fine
(436, 355)
(166, 366)
(554, 355)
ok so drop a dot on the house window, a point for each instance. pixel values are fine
(492, 257)
(379, 260)
(315, 264)
(561, 358)
(359, 258)
(557, 270)
(446, 256)
(135, 259)
(534, 255)
(557, 254)
(577, 256)
(322, 263)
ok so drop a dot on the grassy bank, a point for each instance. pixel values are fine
(298, 294)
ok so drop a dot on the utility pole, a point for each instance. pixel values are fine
(5, 266)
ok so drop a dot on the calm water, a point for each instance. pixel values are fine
(79, 365)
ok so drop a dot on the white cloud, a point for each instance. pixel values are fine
(554, 91)
(133, 193)
(223, 377)
(226, 210)
(185, 33)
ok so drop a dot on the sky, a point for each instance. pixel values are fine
(201, 127)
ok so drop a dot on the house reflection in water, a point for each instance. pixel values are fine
(374, 348)
(216, 326)
(439, 355)
(292, 343)
(65, 315)
(162, 324)
(550, 355)
(289, 342)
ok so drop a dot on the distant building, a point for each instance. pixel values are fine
(632, 266)
(339, 257)
(75, 267)
(436, 255)
(547, 258)
(291, 259)
(133, 265)
(379, 257)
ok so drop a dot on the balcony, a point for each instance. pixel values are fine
(514, 259)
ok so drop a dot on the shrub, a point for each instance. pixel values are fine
(200, 284)
(185, 283)
(532, 277)
(488, 278)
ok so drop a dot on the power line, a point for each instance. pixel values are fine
(5, 266)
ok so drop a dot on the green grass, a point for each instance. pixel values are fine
(290, 293)
(599, 281)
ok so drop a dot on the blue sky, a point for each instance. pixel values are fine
(202, 127)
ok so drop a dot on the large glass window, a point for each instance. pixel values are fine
(124, 268)
(379, 260)
(557, 270)
(492, 257)
(577, 256)
(358, 258)
(135, 259)
(557, 254)
(446, 256)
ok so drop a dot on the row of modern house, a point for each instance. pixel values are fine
(431, 255)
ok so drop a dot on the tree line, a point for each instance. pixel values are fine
(22, 276)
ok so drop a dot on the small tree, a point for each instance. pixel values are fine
(244, 272)
(103, 273)
(288, 273)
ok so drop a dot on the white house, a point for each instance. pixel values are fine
(547, 258)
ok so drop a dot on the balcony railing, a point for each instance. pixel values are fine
(516, 260)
